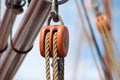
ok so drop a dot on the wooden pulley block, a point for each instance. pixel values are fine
(102, 19)
(62, 39)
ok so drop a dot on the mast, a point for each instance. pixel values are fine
(24, 37)
(5, 25)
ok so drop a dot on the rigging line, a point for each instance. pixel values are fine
(93, 36)
(107, 39)
(114, 64)
(107, 35)
(116, 55)
(114, 44)
(55, 60)
(111, 51)
(61, 68)
(109, 45)
(47, 57)
(111, 39)
(89, 42)
(109, 3)
(108, 49)
(108, 32)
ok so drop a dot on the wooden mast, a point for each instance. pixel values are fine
(24, 37)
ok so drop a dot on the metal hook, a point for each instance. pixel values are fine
(58, 3)
(54, 11)
(59, 19)
(62, 2)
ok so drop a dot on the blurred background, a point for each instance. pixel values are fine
(80, 61)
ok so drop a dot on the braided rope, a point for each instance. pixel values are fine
(111, 40)
(55, 62)
(109, 43)
(105, 42)
(47, 61)
(114, 45)
(108, 50)
(109, 37)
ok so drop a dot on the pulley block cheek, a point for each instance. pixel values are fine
(62, 39)
(43, 32)
(102, 20)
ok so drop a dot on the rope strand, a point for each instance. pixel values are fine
(111, 52)
(55, 62)
(47, 52)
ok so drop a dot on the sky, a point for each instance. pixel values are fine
(79, 63)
